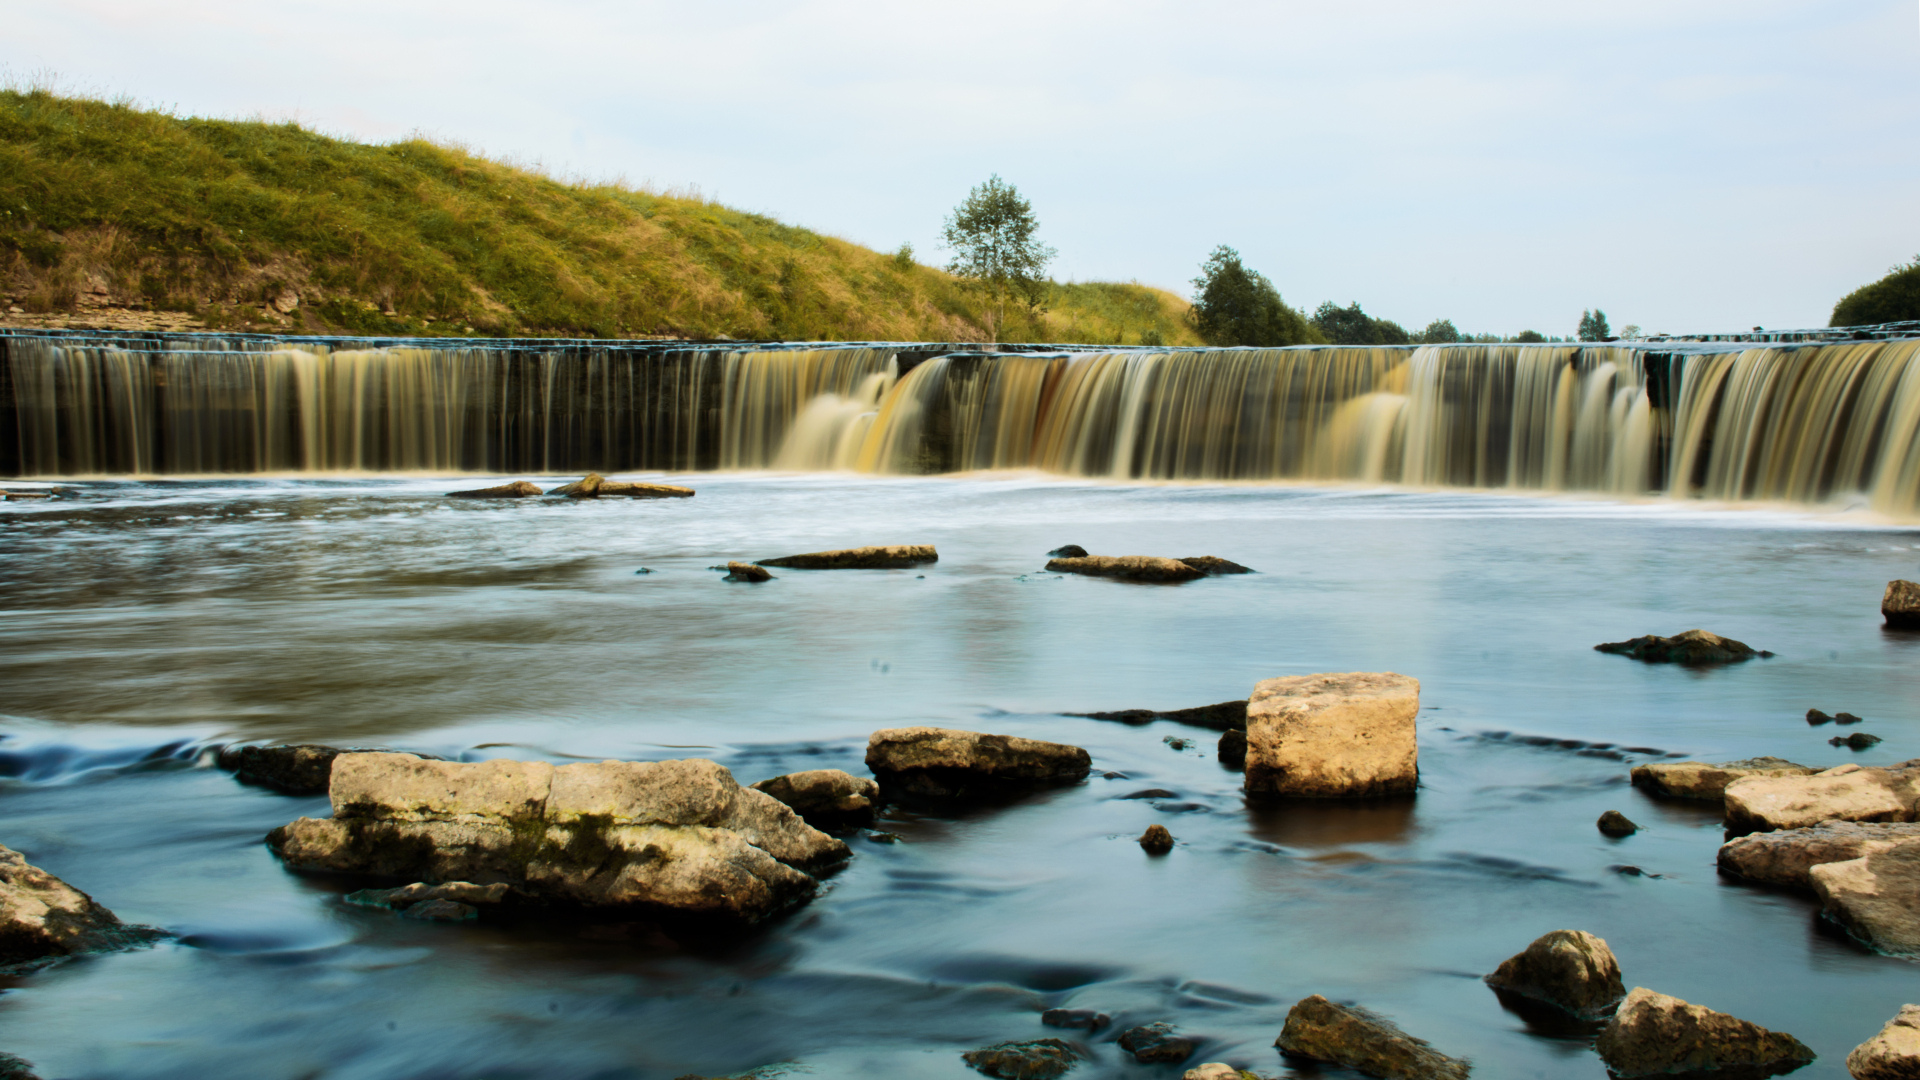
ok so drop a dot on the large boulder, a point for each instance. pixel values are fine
(1035, 1059)
(1353, 1038)
(1699, 780)
(826, 798)
(519, 489)
(1900, 605)
(746, 571)
(1787, 857)
(888, 557)
(1844, 793)
(1146, 568)
(943, 765)
(1569, 968)
(43, 918)
(1894, 1054)
(1876, 897)
(1333, 735)
(671, 836)
(1654, 1035)
(635, 489)
(1689, 647)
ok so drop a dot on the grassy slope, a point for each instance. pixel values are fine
(106, 204)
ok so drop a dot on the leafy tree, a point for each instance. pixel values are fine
(1593, 326)
(1530, 337)
(991, 236)
(1894, 298)
(1441, 332)
(1346, 325)
(1233, 305)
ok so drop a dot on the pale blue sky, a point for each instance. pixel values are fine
(1686, 165)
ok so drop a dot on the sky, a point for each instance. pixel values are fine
(1683, 165)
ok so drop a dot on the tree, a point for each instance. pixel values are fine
(1529, 337)
(1441, 332)
(1894, 298)
(1593, 326)
(1233, 305)
(991, 236)
(1346, 325)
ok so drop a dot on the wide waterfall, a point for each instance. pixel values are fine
(1819, 422)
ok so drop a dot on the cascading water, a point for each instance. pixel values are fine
(1801, 422)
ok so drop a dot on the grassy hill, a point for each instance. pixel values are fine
(168, 221)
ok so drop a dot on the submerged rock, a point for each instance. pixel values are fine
(1815, 718)
(1068, 551)
(1035, 1059)
(1144, 568)
(1220, 716)
(584, 488)
(672, 836)
(1232, 749)
(1354, 1038)
(1653, 1034)
(1156, 1044)
(635, 489)
(1086, 1019)
(826, 798)
(442, 911)
(1875, 898)
(1787, 856)
(1156, 840)
(300, 769)
(746, 571)
(1215, 565)
(43, 918)
(1845, 718)
(1900, 605)
(1845, 793)
(1614, 823)
(1894, 1054)
(519, 489)
(16, 1068)
(889, 557)
(1859, 740)
(944, 765)
(1699, 780)
(1568, 968)
(465, 894)
(1333, 735)
(1690, 647)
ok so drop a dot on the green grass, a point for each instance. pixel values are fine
(105, 203)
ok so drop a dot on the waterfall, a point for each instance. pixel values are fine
(1813, 422)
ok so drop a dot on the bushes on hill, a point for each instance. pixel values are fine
(1894, 298)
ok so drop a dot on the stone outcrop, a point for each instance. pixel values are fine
(300, 769)
(1875, 898)
(1845, 793)
(1568, 968)
(1143, 568)
(43, 918)
(1894, 1054)
(584, 488)
(943, 765)
(888, 557)
(1690, 647)
(671, 836)
(1616, 824)
(1788, 856)
(1353, 1038)
(1333, 735)
(1036, 1059)
(1156, 840)
(826, 798)
(746, 571)
(1215, 565)
(1699, 780)
(1900, 605)
(519, 489)
(635, 489)
(1156, 1044)
(1654, 1035)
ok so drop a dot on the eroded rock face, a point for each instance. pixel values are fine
(1876, 897)
(1333, 735)
(1845, 793)
(1356, 1039)
(1653, 1034)
(1146, 568)
(826, 798)
(1690, 647)
(677, 836)
(1787, 857)
(584, 488)
(300, 769)
(43, 918)
(1900, 605)
(1036, 1059)
(634, 489)
(1214, 564)
(1568, 968)
(1894, 1054)
(519, 489)
(888, 557)
(941, 764)
(1699, 780)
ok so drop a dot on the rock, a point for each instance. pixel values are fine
(1615, 823)
(1176, 742)
(22, 496)
(1894, 1054)
(1859, 740)
(1699, 780)
(1653, 1034)
(1156, 840)
(826, 798)
(943, 765)
(1354, 1038)
(890, 557)
(519, 489)
(1068, 551)
(1222, 716)
(634, 489)
(1845, 793)
(584, 488)
(1036, 1059)
(1086, 1019)
(442, 911)
(1875, 898)
(1333, 735)
(1215, 565)
(16, 1068)
(465, 893)
(1900, 605)
(1153, 793)
(1568, 968)
(300, 769)
(1232, 750)
(1691, 647)
(677, 837)
(1815, 718)
(1214, 1070)
(1785, 857)
(746, 571)
(1845, 718)
(43, 919)
(1144, 568)
(1156, 1043)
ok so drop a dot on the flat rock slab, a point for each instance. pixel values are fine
(942, 764)
(1690, 647)
(1894, 1054)
(519, 489)
(635, 489)
(584, 488)
(1569, 968)
(43, 919)
(1150, 569)
(1333, 735)
(1036, 1059)
(1875, 898)
(1900, 605)
(826, 798)
(1845, 793)
(1215, 565)
(1654, 1035)
(1788, 856)
(889, 557)
(1222, 716)
(1320, 1030)
(671, 836)
(1700, 780)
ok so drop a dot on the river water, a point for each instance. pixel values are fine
(147, 621)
